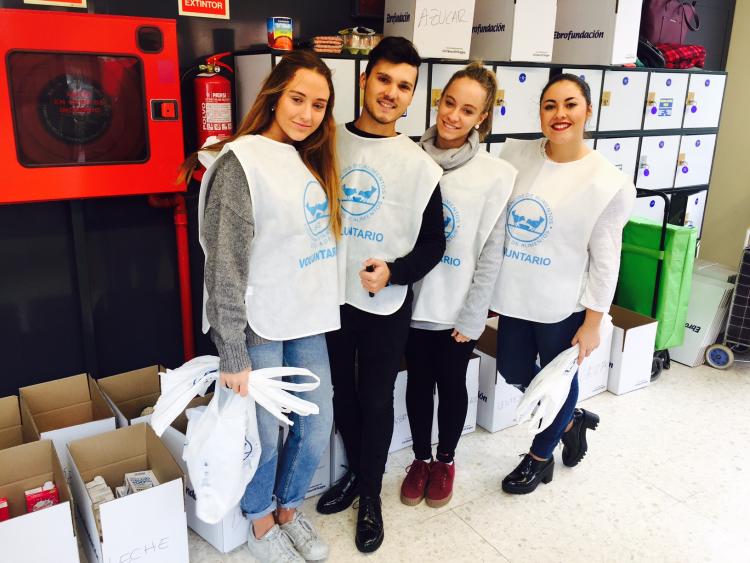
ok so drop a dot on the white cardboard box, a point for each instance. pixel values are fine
(472, 390)
(149, 525)
(233, 529)
(45, 535)
(130, 392)
(596, 32)
(707, 311)
(496, 407)
(438, 28)
(632, 351)
(10, 423)
(321, 480)
(593, 373)
(339, 464)
(401, 431)
(64, 410)
(513, 30)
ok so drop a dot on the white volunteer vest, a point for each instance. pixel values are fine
(292, 282)
(385, 184)
(551, 215)
(474, 197)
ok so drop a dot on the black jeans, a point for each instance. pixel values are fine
(434, 357)
(363, 395)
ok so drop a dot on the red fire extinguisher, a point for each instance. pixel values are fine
(213, 100)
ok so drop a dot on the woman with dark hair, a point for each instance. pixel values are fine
(268, 223)
(562, 257)
(451, 302)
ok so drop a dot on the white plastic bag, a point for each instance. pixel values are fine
(547, 392)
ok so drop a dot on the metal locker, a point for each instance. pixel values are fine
(517, 104)
(594, 79)
(656, 162)
(695, 210)
(414, 121)
(623, 95)
(622, 152)
(703, 102)
(441, 74)
(665, 100)
(694, 160)
(249, 73)
(649, 207)
(344, 75)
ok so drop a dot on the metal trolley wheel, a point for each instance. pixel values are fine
(719, 356)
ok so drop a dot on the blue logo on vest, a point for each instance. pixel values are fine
(529, 220)
(317, 211)
(451, 220)
(362, 192)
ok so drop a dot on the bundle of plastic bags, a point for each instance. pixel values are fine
(222, 447)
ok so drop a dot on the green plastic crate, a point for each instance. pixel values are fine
(635, 288)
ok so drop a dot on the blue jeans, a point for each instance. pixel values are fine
(518, 343)
(282, 478)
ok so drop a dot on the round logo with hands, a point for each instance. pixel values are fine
(451, 220)
(316, 208)
(362, 192)
(529, 220)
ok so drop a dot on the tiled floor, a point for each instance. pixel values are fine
(666, 479)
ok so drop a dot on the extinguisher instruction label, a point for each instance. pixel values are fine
(204, 8)
(217, 116)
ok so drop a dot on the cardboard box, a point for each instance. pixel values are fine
(707, 312)
(401, 431)
(632, 351)
(339, 463)
(147, 525)
(10, 423)
(496, 407)
(64, 410)
(234, 528)
(513, 30)
(45, 535)
(130, 392)
(593, 374)
(596, 32)
(321, 480)
(438, 28)
(472, 389)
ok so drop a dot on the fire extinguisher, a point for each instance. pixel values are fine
(213, 100)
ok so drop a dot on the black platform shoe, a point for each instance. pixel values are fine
(574, 440)
(370, 531)
(527, 476)
(340, 496)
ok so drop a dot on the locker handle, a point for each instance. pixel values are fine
(606, 98)
(681, 159)
(500, 98)
(690, 99)
(651, 99)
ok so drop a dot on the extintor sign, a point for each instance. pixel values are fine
(204, 8)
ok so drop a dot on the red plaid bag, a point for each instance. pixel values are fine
(682, 56)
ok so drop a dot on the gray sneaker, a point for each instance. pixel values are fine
(274, 547)
(305, 539)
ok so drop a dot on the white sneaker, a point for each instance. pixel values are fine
(306, 540)
(274, 547)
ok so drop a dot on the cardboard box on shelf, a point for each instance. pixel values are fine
(632, 351)
(63, 410)
(10, 423)
(148, 523)
(234, 528)
(130, 392)
(438, 28)
(44, 535)
(513, 30)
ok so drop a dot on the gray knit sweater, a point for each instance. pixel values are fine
(228, 230)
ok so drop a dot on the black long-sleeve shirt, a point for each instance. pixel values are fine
(430, 245)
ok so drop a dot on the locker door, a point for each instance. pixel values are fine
(622, 152)
(594, 79)
(703, 104)
(414, 121)
(344, 74)
(649, 207)
(694, 160)
(590, 143)
(695, 210)
(496, 148)
(517, 106)
(623, 95)
(441, 74)
(657, 161)
(665, 101)
(249, 73)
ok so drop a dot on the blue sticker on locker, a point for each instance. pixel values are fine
(522, 77)
(502, 110)
(693, 109)
(708, 83)
(583, 77)
(665, 107)
(684, 169)
(698, 143)
(646, 172)
(617, 146)
(661, 144)
(669, 81)
(625, 80)
(653, 110)
(652, 203)
(696, 201)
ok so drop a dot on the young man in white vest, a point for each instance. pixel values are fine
(392, 222)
